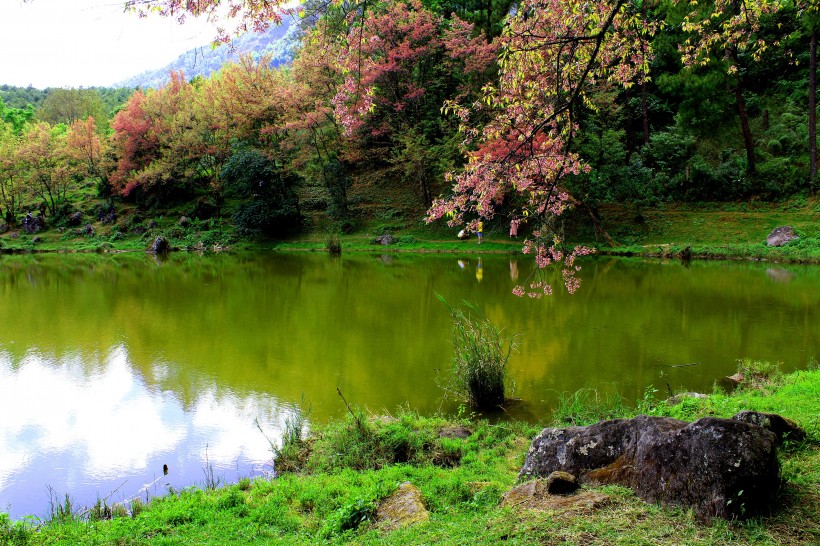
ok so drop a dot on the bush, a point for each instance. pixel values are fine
(480, 357)
(270, 205)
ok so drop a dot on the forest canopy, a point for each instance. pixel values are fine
(498, 111)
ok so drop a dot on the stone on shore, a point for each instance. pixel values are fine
(718, 467)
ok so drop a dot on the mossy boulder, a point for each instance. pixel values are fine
(718, 467)
(404, 507)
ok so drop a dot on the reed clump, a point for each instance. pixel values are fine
(480, 355)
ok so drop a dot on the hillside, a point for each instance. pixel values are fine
(277, 41)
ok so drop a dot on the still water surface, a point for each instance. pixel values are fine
(112, 366)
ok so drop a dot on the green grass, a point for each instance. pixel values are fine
(709, 230)
(354, 463)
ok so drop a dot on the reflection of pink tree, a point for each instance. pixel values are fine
(553, 52)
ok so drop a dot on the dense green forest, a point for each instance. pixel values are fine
(388, 106)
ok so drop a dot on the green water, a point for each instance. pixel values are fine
(111, 366)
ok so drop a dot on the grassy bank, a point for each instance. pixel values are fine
(724, 231)
(342, 470)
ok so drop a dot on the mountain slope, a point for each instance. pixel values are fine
(278, 42)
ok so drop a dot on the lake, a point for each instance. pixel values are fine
(112, 366)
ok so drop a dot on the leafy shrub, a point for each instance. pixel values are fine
(270, 205)
(333, 244)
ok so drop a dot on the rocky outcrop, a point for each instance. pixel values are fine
(781, 235)
(75, 219)
(33, 224)
(160, 246)
(561, 483)
(718, 467)
(404, 507)
(385, 239)
(455, 431)
(785, 429)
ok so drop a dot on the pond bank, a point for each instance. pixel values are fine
(704, 231)
(348, 466)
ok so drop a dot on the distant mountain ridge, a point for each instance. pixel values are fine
(278, 41)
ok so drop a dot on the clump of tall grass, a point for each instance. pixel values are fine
(101, 510)
(363, 442)
(292, 452)
(756, 374)
(61, 510)
(333, 244)
(480, 354)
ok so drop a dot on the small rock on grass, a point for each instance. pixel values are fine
(404, 507)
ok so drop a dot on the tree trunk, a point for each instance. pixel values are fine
(813, 109)
(645, 113)
(748, 142)
(644, 107)
(596, 222)
(744, 126)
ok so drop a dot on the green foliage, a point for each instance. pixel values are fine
(337, 506)
(480, 354)
(269, 204)
(14, 533)
(333, 245)
(756, 374)
(350, 516)
(587, 406)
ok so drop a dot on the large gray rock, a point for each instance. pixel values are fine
(385, 239)
(781, 235)
(717, 467)
(75, 219)
(33, 224)
(160, 246)
(785, 429)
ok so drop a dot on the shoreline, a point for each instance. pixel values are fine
(463, 498)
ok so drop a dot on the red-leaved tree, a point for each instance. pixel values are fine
(553, 52)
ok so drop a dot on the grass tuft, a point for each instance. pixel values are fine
(480, 354)
(588, 406)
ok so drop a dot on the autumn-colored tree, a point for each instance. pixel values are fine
(161, 142)
(400, 65)
(43, 158)
(11, 175)
(247, 105)
(86, 152)
(321, 150)
(255, 15)
(553, 52)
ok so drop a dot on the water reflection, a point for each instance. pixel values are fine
(113, 366)
(92, 434)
